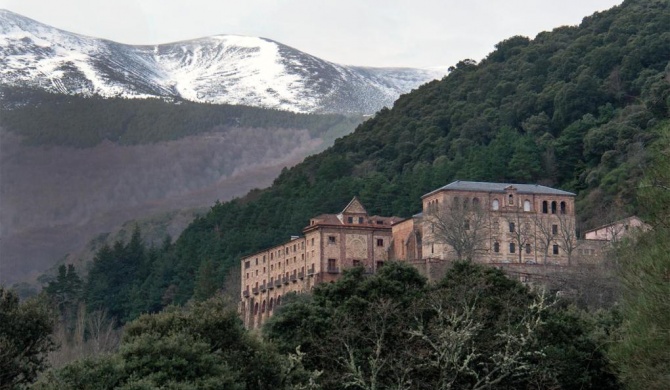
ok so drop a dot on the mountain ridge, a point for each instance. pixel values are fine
(230, 69)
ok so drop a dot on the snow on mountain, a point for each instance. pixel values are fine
(220, 69)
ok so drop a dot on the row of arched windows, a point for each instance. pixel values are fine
(527, 206)
(528, 248)
(546, 205)
(269, 307)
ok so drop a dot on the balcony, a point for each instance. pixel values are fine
(255, 290)
(294, 277)
(301, 275)
(310, 271)
(285, 280)
(278, 282)
(333, 270)
(245, 293)
(271, 285)
(263, 287)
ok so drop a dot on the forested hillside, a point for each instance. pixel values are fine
(73, 168)
(43, 118)
(576, 108)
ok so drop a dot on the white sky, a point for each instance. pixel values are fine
(415, 33)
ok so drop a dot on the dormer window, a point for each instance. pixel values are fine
(350, 219)
(360, 220)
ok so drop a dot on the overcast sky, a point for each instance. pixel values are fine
(416, 33)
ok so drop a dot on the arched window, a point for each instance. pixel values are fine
(456, 202)
(496, 247)
(256, 308)
(465, 203)
(553, 207)
(475, 203)
(512, 247)
(263, 307)
(545, 207)
(495, 205)
(279, 300)
(271, 302)
(510, 199)
(563, 210)
(526, 205)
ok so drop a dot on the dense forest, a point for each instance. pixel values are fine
(577, 108)
(584, 108)
(43, 118)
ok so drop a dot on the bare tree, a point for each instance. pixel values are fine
(448, 340)
(102, 335)
(369, 356)
(567, 235)
(521, 232)
(544, 234)
(462, 227)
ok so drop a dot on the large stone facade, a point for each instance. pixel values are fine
(499, 223)
(331, 243)
(527, 230)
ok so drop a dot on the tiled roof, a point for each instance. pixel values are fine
(500, 187)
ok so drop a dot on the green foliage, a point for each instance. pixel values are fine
(574, 108)
(203, 346)
(642, 350)
(475, 329)
(65, 292)
(25, 339)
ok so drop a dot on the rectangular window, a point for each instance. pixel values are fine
(511, 227)
(466, 224)
(554, 229)
(360, 220)
(380, 264)
(380, 242)
(247, 264)
(555, 249)
(512, 247)
(257, 261)
(247, 275)
(380, 222)
(332, 264)
(312, 241)
(527, 248)
(350, 219)
(356, 263)
(263, 259)
(331, 239)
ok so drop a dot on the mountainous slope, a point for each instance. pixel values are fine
(576, 108)
(220, 69)
(73, 168)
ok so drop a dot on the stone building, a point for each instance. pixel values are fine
(617, 230)
(499, 223)
(526, 229)
(330, 243)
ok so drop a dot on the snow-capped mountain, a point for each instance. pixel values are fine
(219, 69)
